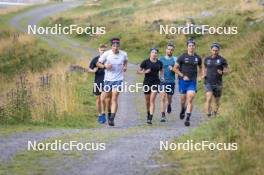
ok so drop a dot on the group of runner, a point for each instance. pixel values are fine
(159, 77)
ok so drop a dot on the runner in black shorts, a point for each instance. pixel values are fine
(168, 61)
(153, 70)
(98, 82)
(215, 67)
(186, 68)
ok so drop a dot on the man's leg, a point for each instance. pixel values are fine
(147, 100)
(98, 105)
(103, 97)
(114, 106)
(108, 104)
(169, 100)
(189, 100)
(169, 97)
(216, 105)
(183, 91)
(208, 103)
(183, 106)
(163, 96)
(217, 95)
(152, 106)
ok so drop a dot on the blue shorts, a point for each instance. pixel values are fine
(187, 85)
(109, 85)
(167, 87)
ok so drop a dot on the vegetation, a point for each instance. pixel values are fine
(37, 87)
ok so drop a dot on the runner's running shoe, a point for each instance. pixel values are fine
(149, 119)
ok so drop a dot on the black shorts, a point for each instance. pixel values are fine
(150, 87)
(168, 88)
(215, 88)
(98, 88)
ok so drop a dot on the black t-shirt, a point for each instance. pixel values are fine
(212, 64)
(188, 65)
(99, 74)
(153, 76)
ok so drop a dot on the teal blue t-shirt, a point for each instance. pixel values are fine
(169, 75)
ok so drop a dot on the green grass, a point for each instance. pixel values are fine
(7, 130)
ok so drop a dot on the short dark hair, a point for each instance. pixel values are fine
(170, 45)
(215, 45)
(154, 48)
(102, 46)
(190, 40)
(115, 41)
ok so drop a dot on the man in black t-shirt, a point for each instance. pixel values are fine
(215, 67)
(186, 69)
(152, 68)
(98, 82)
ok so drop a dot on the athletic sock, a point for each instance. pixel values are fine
(112, 115)
(183, 108)
(148, 113)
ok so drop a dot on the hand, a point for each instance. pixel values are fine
(108, 66)
(95, 69)
(200, 78)
(147, 71)
(185, 78)
(225, 71)
(162, 80)
(124, 68)
(220, 71)
(170, 68)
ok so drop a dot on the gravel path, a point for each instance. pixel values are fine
(130, 154)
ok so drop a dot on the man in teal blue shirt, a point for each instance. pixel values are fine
(168, 85)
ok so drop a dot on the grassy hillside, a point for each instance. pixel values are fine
(241, 119)
(36, 84)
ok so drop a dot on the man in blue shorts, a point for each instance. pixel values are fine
(215, 66)
(186, 69)
(168, 85)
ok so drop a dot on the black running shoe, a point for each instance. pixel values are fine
(209, 115)
(163, 119)
(169, 109)
(111, 121)
(182, 116)
(187, 122)
(149, 120)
